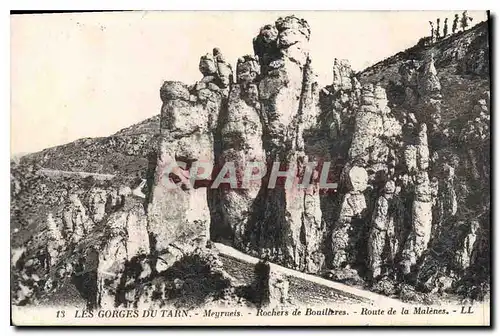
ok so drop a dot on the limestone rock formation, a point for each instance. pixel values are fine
(241, 145)
(386, 230)
(89, 241)
(215, 69)
(423, 91)
(188, 122)
(280, 87)
(405, 145)
(343, 76)
(373, 127)
(55, 243)
(371, 153)
(347, 230)
(76, 221)
(458, 238)
(128, 240)
(289, 97)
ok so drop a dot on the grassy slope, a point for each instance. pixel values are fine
(123, 153)
(459, 89)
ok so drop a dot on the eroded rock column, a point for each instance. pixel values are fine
(288, 96)
(178, 213)
(385, 230)
(421, 223)
(347, 229)
(241, 140)
(371, 161)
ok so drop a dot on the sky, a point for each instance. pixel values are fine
(92, 74)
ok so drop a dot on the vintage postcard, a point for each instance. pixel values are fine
(250, 168)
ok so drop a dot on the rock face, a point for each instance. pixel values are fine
(386, 230)
(347, 230)
(343, 76)
(370, 161)
(290, 230)
(428, 92)
(90, 240)
(381, 178)
(280, 88)
(241, 145)
(423, 91)
(374, 129)
(187, 126)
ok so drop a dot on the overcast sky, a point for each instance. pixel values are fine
(91, 74)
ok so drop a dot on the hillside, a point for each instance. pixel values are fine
(409, 143)
(123, 153)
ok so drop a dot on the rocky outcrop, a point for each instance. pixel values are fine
(407, 168)
(128, 240)
(423, 91)
(343, 76)
(429, 90)
(459, 225)
(215, 69)
(280, 87)
(290, 230)
(177, 209)
(386, 230)
(241, 146)
(339, 103)
(76, 221)
(371, 160)
(348, 228)
(374, 131)
(55, 240)
(420, 233)
(89, 241)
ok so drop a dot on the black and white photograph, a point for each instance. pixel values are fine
(250, 168)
